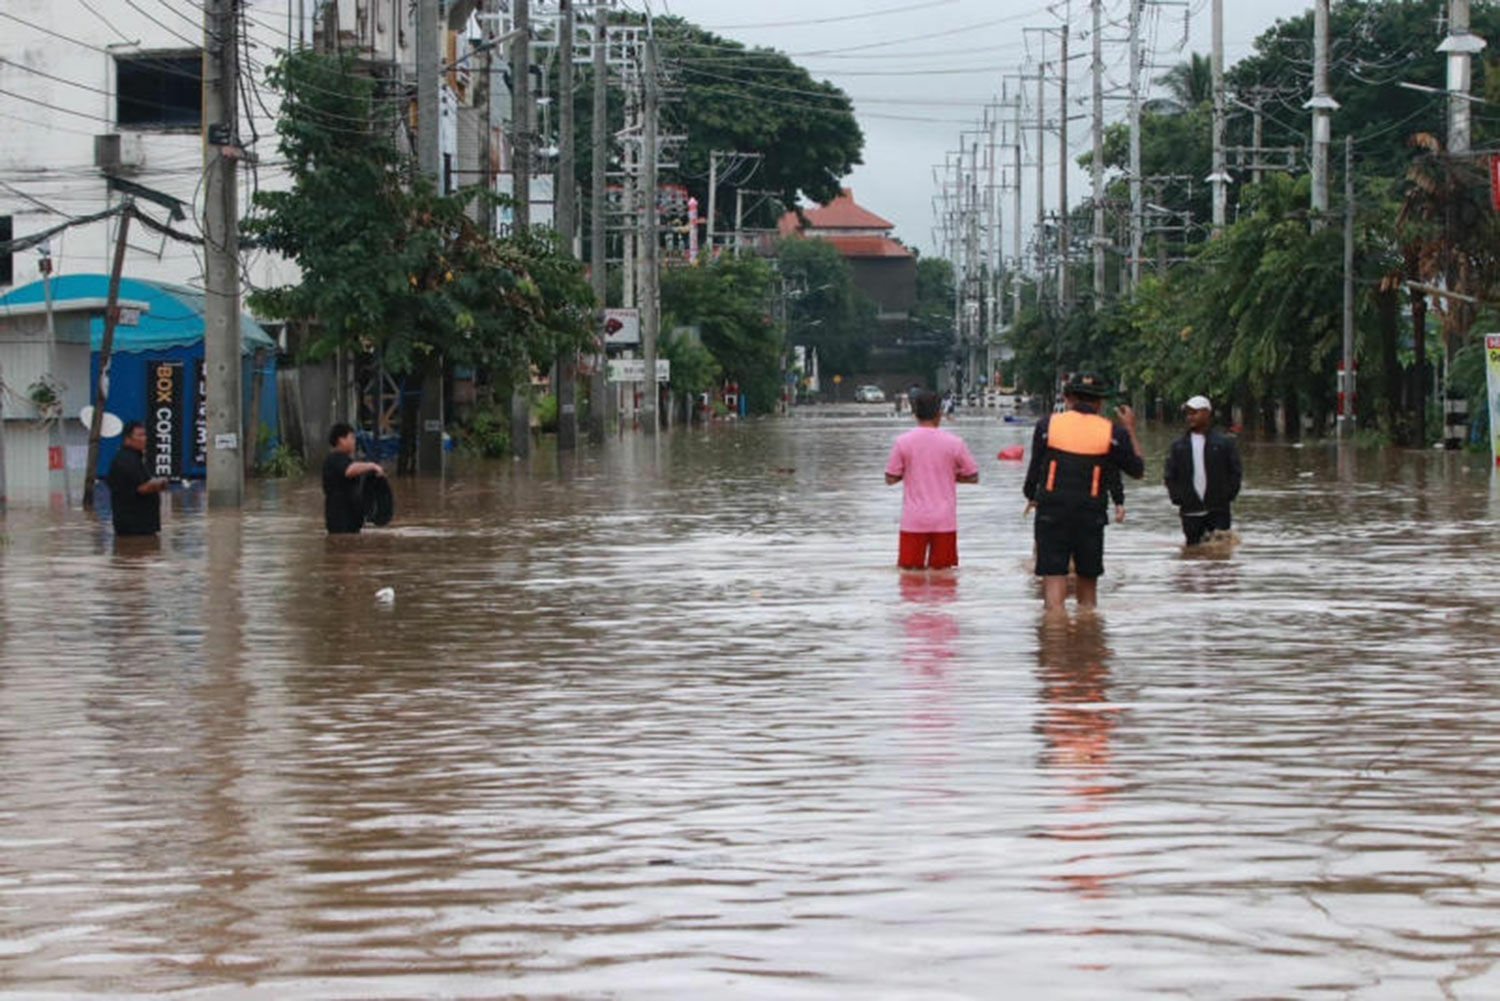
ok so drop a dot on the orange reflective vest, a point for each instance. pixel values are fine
(1077, 447)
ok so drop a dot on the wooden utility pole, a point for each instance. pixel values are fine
(600, 397)
(221, 255)
(106, 352)
(650, 237)
(565, 184)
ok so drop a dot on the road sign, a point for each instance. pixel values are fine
(622, 326)
(634, 370)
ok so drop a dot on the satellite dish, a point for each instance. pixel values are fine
(108, 428)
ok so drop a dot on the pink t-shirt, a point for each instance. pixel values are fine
(929, 462)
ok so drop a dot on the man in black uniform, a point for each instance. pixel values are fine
(343, 511)
(134, 495)
(1074, 456)
(1203, 473)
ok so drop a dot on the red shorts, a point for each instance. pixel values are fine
(928, 550)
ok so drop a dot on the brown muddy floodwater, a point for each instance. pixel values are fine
(662, 721)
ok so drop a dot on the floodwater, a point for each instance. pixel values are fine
(663, 721)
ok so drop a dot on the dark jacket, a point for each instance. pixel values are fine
(133, 512)
(1221, 460)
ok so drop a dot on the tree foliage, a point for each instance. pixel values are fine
(388, 265)
(824, 308)
(729, 300)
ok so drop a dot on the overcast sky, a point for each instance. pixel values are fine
(920, 71)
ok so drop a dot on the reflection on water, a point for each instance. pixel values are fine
(1076, 722)
(662, 720)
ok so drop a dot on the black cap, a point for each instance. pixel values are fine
(1087, 384)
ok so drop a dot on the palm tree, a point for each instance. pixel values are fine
(1189, 84)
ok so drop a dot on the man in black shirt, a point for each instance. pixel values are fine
(134, 495)
(343, 512)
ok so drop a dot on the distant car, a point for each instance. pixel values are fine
(869, 394)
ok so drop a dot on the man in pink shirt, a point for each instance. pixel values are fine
(930, 463)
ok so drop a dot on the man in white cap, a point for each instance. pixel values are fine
(1203, 473)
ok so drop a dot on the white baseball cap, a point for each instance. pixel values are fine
(1198, 403)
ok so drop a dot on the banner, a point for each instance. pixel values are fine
(200, 419)
(165, 424)
(1492, 365)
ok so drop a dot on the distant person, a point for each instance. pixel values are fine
(929, 463)
(134, 494)
(1075, 456)
(343, 508)
(1203, 473)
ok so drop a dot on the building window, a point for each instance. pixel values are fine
(161, 90)
(7, 233)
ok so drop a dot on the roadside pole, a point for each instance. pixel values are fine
(601, 399)
(1347, 381)
(221, 263)
(106, 350)
(429, 444)
(650, 239)
(565, 184)
(520, 75)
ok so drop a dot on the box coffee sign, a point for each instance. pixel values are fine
(164, 389)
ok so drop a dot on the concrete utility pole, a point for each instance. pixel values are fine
(429, 450)
(1041, 176)
(1220, 176)
(106, 352)
(1015, 226)
(1323, 107)
(521, 98)
(600, 398)
(221, 258)
(1347, 381)
(1064, 228)
(1460, 46)
(567, 218)
(521, 117)
(1097, 167)
(650, 237)
(1137, 194)
(713, 199)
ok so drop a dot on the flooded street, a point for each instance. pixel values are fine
(662, 720)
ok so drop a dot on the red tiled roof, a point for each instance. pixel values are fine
(867, 246)
(841, 213)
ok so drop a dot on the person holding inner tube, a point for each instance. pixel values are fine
(1077, 457)
(343, 506)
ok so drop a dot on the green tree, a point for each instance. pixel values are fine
(728, 300)
(824, 308)
(389, 266)
(1189, 84)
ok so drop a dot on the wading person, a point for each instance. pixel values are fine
(1077, 457)
(134, 494)
(1203, 473)
(929, 463)
(343, 508)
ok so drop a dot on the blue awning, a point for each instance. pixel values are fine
(174, 319)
